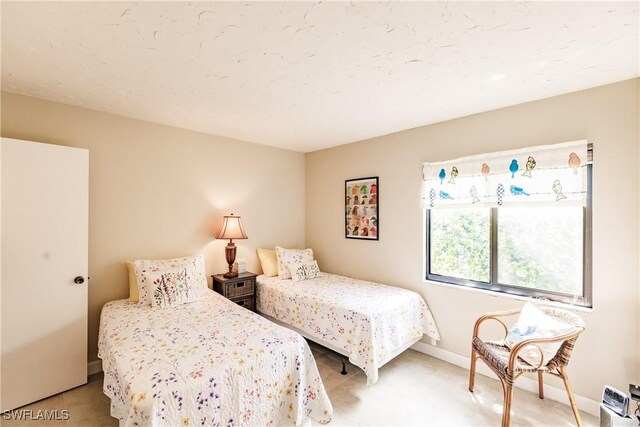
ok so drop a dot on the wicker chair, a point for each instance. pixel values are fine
(508, 366)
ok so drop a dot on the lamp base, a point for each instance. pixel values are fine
(230, 255)
(230, 274)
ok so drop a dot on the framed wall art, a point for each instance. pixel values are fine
(361, 201)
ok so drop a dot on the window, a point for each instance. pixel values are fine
(540, 250)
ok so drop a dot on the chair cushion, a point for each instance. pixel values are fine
(532, 324)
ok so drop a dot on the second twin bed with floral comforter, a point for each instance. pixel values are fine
(369, 322)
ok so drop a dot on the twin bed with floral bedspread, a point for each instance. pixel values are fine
(209, 362)
(367, 322)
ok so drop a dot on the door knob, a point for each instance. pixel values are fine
(79, 280)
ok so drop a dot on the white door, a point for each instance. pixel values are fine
(44, 216)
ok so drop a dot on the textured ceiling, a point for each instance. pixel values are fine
(305, 76)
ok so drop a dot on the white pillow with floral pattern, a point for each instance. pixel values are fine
(304, 270)
(287, 256)
(170, 288)
(194, 265)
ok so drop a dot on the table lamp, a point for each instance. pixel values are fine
(231, 229)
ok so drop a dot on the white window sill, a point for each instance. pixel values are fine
(496, 294)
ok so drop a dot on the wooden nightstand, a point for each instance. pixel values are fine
(241, 289)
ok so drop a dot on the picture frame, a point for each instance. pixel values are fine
(361, 208)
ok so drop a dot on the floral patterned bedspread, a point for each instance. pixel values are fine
(206, 363)
(368, 321)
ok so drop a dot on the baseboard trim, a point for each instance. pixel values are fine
(557, 394)
(94, 367)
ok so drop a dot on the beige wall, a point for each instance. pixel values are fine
(158, 191)
(607, 116)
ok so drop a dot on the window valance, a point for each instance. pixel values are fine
(553, 174)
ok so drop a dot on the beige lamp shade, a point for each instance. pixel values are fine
(231, 228)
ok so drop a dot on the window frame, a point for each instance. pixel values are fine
(586, 300)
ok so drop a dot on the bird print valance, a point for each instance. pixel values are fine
(554, 174)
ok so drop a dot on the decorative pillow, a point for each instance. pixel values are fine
(286, 256)
(533, 323)
(194, 266)
(133, 282)
(169, 288)
(303, 271)
(268, 261)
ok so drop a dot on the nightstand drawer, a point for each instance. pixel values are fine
(249, 302)
(240, 289)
